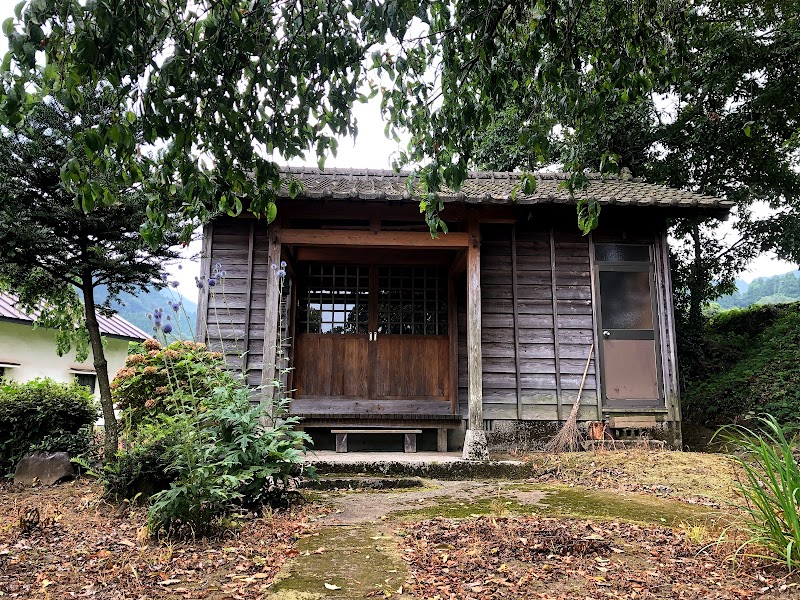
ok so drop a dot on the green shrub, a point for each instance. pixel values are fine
(227, 459)
(771, 490)
(43, 415)
(138, 472)
(155, 378)
(748, 364)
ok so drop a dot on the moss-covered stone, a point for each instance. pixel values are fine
(358, 560)
(565, 501)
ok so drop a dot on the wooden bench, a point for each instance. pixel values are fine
(382, 421)
(409, 445)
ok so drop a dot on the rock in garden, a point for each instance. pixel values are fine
(45, 468)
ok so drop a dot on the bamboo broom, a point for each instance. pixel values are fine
(569, 438)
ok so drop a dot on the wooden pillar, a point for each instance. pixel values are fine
(271, 314)
(475, 446)
(201, 327)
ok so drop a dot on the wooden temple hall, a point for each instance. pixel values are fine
(475, 340)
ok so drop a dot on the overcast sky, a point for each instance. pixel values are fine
(371, 150)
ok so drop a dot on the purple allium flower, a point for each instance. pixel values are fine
(281, 273)
(164, 276)
(169, 318)
(212, 282)
(149, 316)
(176, 306)
(283, 264)
(222, 274)
(167, 328)
(180, 267)
(218, 266)
(174, 284)
(274, 266)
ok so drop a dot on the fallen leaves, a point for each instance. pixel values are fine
(85, 547)
(548, 558)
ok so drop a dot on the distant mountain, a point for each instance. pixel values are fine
(136, 308)
(777, 289)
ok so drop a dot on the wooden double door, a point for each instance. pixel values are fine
(371, 332)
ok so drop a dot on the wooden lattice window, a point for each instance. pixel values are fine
(335, 299)
(412, 301)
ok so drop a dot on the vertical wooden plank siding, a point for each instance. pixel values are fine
(475, 367)
(515, 315)
(537, 324)
(452, 328)
(575, 319)
(248, 294)
(538, 374)
(263, 277)
(559, 410)
(595, 337)
(272, 308)
(231, 314)
(201, 326)
(227, 304)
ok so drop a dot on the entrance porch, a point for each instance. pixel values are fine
(371, 321)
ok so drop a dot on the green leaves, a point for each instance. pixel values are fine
(588, 215)
(8, 27)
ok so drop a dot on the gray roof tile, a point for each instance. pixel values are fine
(486, 187)
(114, 326)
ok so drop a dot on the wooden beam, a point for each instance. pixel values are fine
(376, 256)
(598, 363)
(381, 239)
(271, 313)
(475, 440)
(201, 327)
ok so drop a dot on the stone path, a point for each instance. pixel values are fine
(357, 553)
(344, 562)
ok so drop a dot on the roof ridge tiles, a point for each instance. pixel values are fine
(498, 187)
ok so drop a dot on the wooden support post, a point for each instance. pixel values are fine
(598, 376)
(272, 314)
(201, 328)
(341, 442)
(475, 445)
(441, 439)
(410, 442)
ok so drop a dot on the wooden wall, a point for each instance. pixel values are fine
(536, 331)
(234, 309)
(537, 327)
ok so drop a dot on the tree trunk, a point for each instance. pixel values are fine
(101, 370)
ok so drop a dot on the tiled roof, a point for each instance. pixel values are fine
(486, 187)
(114, 326)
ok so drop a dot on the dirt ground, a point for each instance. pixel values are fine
(621, 525)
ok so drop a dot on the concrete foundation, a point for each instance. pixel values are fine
(476, 446)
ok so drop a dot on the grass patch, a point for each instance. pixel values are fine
(698, 478)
